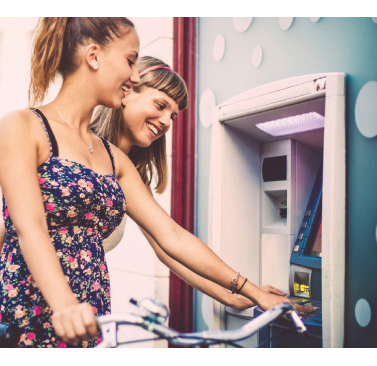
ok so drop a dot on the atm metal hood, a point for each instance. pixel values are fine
(280, 99)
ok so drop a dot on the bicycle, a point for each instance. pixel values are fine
(152, 314)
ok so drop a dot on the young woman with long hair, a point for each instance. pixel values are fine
(58, 179)
(159, 96)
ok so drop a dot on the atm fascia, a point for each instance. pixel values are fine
(236, 204)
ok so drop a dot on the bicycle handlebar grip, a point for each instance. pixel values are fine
(9, 335)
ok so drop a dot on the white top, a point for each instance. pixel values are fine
(116, 236)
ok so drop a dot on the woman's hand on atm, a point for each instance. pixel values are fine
(272, 290)
(240, 302)
(269, 300)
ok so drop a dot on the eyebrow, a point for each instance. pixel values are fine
(166, 102)
(136, 54)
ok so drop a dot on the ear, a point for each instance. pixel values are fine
(91, 56)
(129, 96)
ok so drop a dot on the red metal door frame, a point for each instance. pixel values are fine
(183, 166)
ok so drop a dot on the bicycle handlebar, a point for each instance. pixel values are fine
(109, 324)
(152, 314)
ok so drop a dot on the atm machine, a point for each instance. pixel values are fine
(277, 200)
(305, 280)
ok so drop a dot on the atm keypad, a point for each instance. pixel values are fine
(308, 302)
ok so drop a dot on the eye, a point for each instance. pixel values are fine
(160, 106)
(130, 62)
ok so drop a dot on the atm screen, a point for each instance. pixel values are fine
(314, 244)
(317, 246)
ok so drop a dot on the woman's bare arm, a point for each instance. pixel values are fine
(176, 242)
(20, 141)
(208, 287)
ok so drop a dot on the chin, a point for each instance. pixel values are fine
(114, 104)
(144, 144)
(117, 105)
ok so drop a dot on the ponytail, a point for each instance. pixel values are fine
(56, 41)
(46, 56)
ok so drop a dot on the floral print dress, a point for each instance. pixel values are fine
(82, 208)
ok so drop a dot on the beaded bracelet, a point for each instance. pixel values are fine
(238, 292)
(235, 282)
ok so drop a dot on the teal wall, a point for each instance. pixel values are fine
(346, 45)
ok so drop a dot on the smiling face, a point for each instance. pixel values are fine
(147, 116)
(117, 69)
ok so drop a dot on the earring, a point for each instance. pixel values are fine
(95, 66)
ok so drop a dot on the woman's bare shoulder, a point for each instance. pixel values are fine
(18, 121)
(122, 161)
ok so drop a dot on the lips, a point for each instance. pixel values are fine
(153, 128)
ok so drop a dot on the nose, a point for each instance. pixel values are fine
(165, 119)
(135, 78)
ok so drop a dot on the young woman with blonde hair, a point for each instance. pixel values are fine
(65, 188)
(152, 100)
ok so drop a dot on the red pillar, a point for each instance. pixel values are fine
(183, 166)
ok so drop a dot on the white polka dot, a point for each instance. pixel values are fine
(219, 47)
(256, 57)
(207, 312)
(207, 108)
(314, 19)
(375, 20)
(285, 22)
(366, 110)
(363, 312)
(241, 24)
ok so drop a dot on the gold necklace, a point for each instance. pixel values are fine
(90, 145)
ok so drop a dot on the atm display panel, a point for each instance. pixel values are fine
(307, 250)
(305, 278)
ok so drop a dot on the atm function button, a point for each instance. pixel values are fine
(308, 213)
(296, 248)
(304, 225)
(300, 236)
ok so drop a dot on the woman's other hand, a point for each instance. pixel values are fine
(75, 323)
(270, 300)
(273, 290)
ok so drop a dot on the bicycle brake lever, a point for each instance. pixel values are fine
(300, 327)
(297, 321)
(152, 309)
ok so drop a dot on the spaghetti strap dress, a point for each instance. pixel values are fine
(82, 209)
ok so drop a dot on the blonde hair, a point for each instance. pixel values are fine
(55, 45)
(109, 123)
